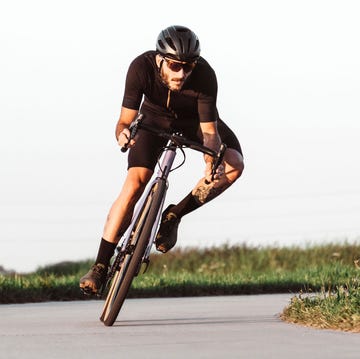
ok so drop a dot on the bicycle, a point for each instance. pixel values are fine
(135, 246)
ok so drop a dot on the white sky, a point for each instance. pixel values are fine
(289, 86)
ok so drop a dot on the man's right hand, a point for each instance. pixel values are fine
(123, 139)
(127, 116)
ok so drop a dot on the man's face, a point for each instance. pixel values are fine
(174, 73)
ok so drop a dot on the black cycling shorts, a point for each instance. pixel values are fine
(147, 148)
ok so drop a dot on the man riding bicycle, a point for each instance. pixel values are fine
(175, 89)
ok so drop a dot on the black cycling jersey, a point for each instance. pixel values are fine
(179, 110)
(195, 102)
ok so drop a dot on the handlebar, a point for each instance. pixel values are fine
(179, 140)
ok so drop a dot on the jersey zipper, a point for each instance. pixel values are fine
(168, 100)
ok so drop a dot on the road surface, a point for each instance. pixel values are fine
(202, 327)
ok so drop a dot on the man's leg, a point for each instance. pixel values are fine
(121, 211)
(201, 194)
(118, 220)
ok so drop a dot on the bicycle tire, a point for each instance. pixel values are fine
(112, 306)
(129, 268)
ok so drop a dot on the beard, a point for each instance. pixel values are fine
(173, 83)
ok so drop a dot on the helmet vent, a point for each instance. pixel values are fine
(189, 45)
(181, 43)
(182, 29)
(197, 45)
(160, 43)
(171, 43)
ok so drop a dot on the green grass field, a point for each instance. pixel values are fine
(331, 271)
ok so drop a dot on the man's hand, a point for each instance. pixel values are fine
(123, 139)
(208, 172)
(122, 132)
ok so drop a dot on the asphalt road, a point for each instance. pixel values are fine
(202, 327)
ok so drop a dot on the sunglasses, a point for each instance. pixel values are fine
(177, 66)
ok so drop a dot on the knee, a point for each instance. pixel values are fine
(134, 190)
(235, 164)
(135, 184)
(237, 171)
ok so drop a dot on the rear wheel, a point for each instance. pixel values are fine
(129, 267)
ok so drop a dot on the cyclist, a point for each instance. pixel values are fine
(174, 88)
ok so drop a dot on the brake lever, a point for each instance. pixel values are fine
(217, 162)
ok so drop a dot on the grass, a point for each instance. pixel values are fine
(331, 270)
(337, 308)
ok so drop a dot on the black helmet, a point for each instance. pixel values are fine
(178, 43)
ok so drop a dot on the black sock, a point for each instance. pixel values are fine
(187, 205)
(106, 251)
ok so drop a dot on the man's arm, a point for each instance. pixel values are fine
(212, 140)
(122, 132)
(211, 137)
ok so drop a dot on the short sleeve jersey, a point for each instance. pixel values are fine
(194, 103)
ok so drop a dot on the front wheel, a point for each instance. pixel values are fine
(141, 234)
